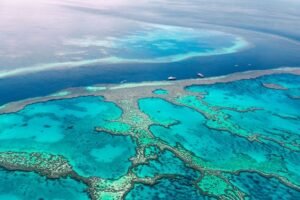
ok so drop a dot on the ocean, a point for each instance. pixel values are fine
(48, 46)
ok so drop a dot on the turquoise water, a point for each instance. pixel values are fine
(140, 43)
(268, 125)
(165, 113)
(30, 186)
(260, 188)
(277, 115)
(246, 94)
(179, 124)
(160, 92)
(161, 43)
(66, 127)
(220, 134)
(180, 189)
(167, 163)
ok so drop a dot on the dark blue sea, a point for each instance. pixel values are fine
(50, 46)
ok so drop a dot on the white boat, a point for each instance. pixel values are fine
(200, 75)
(171, 78)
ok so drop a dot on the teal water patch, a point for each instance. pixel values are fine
(276, 115)
(160, 92)
(139, 43)
(29, 186)
(268, 125)
(108, 152)
(166, 163)
(247, 94)
(151, 151)
(261, 188)
(165, 113)
(179, 189)
(161, 43)
(219, 149)
(66, 127)
(186, 126)
(288, 81)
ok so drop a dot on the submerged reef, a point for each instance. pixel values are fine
(230, 137)
(139, 43)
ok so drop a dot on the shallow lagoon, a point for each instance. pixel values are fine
(66, 127)
(196, 139)
(274, 112)
(236, 126)
(185, 126)
(247, 94)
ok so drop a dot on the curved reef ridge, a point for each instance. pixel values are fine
(229, 137)
(149, 43)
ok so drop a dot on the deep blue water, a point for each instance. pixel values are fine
(29, 186)
(269, 27)
(166, 189)
(259, 187)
